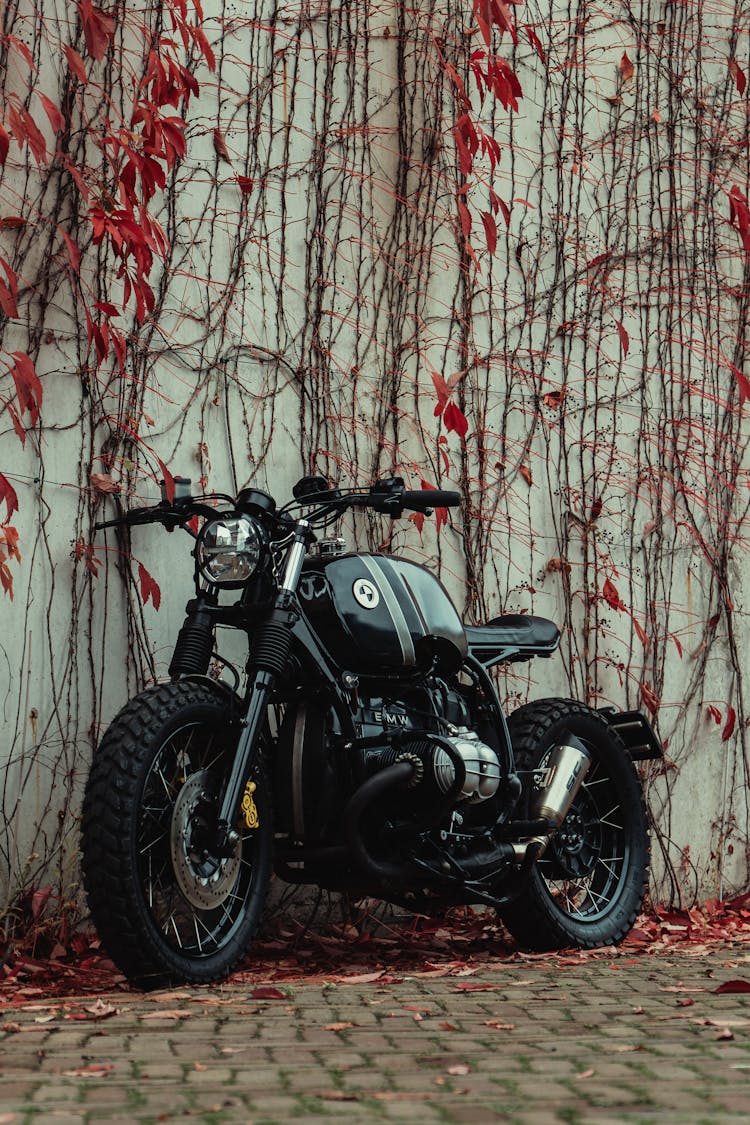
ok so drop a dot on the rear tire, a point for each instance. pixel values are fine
(587, 889)
(165, 910)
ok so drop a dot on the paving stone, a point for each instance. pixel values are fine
(603, 1042)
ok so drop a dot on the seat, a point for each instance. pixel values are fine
(512, 636)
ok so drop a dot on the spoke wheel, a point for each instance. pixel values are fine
(587, 888)
(166, 907)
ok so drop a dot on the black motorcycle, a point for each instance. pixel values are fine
(362, 749)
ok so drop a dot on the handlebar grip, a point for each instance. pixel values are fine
(134, 516)
(430, 498)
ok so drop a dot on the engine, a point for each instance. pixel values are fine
(429, 726)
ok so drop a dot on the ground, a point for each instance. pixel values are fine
(428, 1026)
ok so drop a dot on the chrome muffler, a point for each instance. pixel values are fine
(557, 785)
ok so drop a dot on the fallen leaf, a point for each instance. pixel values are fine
(360, 978)
(102, 1011)
(459, 1068)
(586, 1074)
(732, 986)
(199, 1066)
(725, 1033)
(447, 1026)
(95, 1070)
(167, 1014)
(477, 986)
(500, 1026)
(266, 992)
(339, 1026)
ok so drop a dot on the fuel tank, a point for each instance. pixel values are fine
(379, 613)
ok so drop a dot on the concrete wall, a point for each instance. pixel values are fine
(298, 327)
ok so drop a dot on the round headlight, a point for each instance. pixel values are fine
(228, 551)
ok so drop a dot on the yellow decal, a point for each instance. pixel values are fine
(249, 807)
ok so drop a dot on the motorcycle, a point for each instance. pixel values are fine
(363, 749)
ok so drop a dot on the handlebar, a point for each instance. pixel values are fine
(388, 497)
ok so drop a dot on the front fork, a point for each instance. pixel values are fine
(268, 659)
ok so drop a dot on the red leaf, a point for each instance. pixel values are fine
(728, 731)
(220, 147)
(627, 69)
(624, 338)
(56, 119)
(650, 698)
(490, 230)
(75, 62)
(417, 518)
(98, 29)
(199, 37)
(441, 514)
(149, 587)
(640, 632)
(246, 184)
(525, 472)
(743, 383)
(4, 145)
(168, 481)
(715, 713)
(443, 392)
(535, 43)
(611, 596)
(455, 420)
(34, 138)
(739, 76)
(8, 495)
(737, 985)
(12, 222)
(28, 386)
(7, 301)
(465, 216)
(739, 215)
(74, 254)
(268, 992)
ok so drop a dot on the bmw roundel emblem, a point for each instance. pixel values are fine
(366, 593)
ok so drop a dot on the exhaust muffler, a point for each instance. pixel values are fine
(557, 786)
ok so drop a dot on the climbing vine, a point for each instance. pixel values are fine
(504, 249)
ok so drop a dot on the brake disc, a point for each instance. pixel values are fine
(204, 880)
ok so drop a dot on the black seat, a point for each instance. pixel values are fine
(512, 636)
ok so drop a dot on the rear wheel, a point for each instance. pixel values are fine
(166, 907)
(587, 888)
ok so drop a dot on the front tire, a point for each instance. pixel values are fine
(587, 888)
(165, 909)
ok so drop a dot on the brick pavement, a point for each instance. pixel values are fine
(599, 1041)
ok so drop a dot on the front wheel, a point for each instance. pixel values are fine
(165, 907)
(587, 888)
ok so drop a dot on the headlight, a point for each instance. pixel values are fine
(228, 551)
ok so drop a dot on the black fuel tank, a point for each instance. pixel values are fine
(381, 613)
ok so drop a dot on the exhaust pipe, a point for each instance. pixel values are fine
(558, 785)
